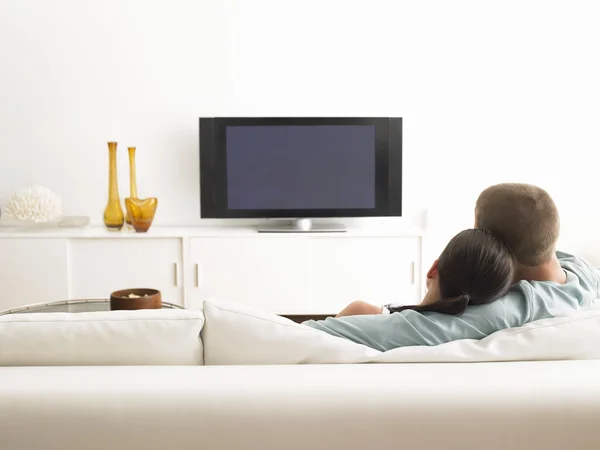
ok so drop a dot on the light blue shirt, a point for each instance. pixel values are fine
(525, 302)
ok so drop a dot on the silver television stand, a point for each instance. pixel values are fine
(301, 226)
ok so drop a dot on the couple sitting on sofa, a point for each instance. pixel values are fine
(503, 273)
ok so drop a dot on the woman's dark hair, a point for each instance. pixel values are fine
(475, 268)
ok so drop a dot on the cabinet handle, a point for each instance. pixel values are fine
(176, 274)
(197, 275)
(412, 272)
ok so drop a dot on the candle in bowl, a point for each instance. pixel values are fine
(138, 298)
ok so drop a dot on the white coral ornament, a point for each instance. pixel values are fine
(34, 203)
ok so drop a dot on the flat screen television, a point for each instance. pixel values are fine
(300, 167)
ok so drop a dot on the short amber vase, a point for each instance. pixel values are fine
(113, 213)
(141, 212)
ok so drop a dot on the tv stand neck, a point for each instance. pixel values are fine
(301, 226)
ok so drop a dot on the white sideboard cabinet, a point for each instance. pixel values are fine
(292, 274)
(304, 275)
(32, 270)
(98, 267)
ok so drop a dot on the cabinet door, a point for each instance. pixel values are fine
(98, 267)
(32, 271)
(378, 270)
(268, 273)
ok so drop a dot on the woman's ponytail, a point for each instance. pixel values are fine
(453, 306)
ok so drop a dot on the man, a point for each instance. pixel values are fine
(547, 283)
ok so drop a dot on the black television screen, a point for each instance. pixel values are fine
(300, 167)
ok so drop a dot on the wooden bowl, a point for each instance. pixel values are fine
(138, 298)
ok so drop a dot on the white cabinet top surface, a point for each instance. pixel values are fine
(100, 232)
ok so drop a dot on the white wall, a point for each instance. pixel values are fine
(489, 92)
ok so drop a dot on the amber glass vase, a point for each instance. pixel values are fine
(113, 214)
(141, 212)
(132, 181)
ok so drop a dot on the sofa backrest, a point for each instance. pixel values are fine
(235, 334)
(110, 338)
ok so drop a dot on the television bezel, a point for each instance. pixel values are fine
(213, 168)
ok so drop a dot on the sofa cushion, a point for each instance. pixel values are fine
(552, 405)
(142, 337)
(235, 334)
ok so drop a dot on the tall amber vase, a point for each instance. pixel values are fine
(132, 180)
(113, 214)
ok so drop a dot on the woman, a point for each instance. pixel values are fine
(475, 268)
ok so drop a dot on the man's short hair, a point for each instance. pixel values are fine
(524, 216)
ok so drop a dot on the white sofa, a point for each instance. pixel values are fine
(231, 378)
